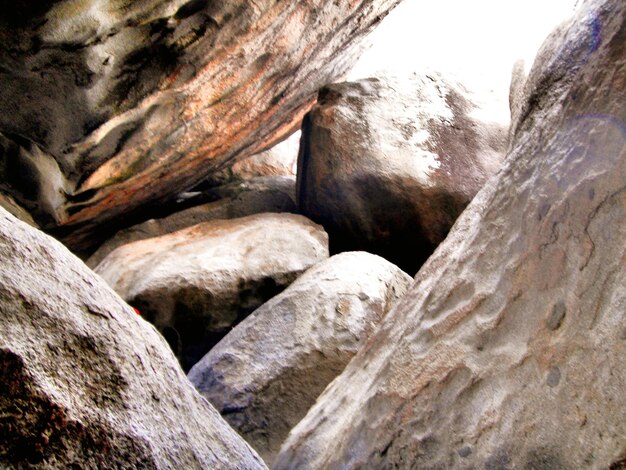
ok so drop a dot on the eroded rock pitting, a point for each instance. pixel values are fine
(508, 350)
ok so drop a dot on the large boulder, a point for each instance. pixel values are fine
(137, 101)
(86, 383)
(196, 283)
(267, 372)
(255, 196)
(508, 350)
(388, 164)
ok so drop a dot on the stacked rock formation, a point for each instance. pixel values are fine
(111, 106)
(134, 123)
(508, 351)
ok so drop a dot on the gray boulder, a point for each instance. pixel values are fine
(267, 372)
(195, 284)
(508, 350)
(387, 164)
(516, 92)
(31, 178)
(86, 383)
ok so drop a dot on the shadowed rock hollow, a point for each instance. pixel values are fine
(109, 106)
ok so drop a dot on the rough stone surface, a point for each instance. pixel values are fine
(255, 196)
(387, 164)
(516, 92)
(196, 283)
(508, 350)
(280, 160)
(137, 101)
(86, 383)
(267, 372)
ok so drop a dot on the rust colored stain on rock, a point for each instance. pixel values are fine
(143, 100)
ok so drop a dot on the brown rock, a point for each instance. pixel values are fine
(387, 164)
(32, 179)
(255, 196)
(86, 383)
(197, 283)
(508, 350)
(13, 208)
(139, 100)
(267, 372)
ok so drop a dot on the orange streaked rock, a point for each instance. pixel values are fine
(140, 100)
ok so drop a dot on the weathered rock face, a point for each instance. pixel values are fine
(267, 372)
(387, 165)
(84, 382)
(196, 283)
(508, 351)
(140, 100)
(516, 94)
(255, 196)
(280, 160)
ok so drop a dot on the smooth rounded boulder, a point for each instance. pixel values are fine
(508, 350)
(267, 372)
(84, 381)
(195, 284)
(387, 164)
